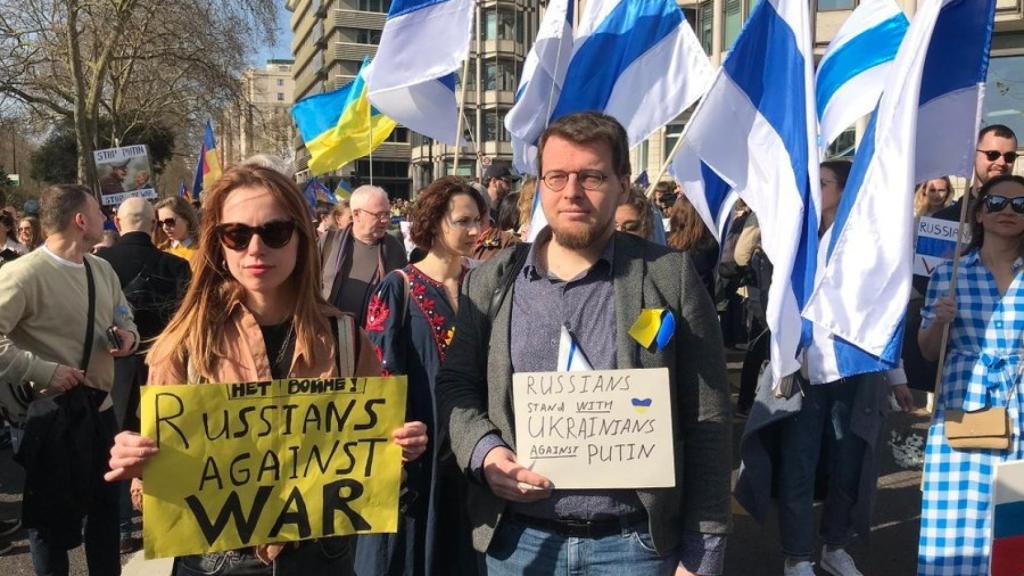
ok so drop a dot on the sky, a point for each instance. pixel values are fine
(283, 48)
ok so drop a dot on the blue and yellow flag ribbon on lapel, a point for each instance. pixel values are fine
(340, 126)
(654, 328)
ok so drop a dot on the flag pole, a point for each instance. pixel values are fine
(462, 100)
(369, 125)
(558, 61)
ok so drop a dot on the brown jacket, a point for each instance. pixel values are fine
(246, 356)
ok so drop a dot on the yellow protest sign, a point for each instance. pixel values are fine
(275, 461)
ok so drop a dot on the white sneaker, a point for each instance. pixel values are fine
(838, 563)
(803, 568)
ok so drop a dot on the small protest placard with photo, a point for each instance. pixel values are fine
(274, 461)
(602, 429)
(124, 173)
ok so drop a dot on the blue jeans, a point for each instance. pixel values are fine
(519, 550)
(824, 417)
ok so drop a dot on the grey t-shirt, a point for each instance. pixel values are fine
(359, 272)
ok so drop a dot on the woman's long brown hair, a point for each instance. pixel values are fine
(195, 332)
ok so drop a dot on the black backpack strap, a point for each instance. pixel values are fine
(508, 278)
(90, 327)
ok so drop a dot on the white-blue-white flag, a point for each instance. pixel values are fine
(412, 78)
(639, 62)
(757, 129)
(925, 126)
(710, 196)
(570, 356)
(543, 74)
(856, 65)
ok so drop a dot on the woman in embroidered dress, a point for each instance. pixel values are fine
(411, 321)
(254, 312)
(986, 325)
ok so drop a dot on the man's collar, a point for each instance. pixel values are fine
(136, 238)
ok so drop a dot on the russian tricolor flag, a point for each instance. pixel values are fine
(1008, 520)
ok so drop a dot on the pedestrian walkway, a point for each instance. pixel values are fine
(139, 566)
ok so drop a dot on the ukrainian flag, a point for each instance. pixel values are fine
(208, 169)
(341, 126)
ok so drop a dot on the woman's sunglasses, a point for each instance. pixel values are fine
(168, 222)
(996, 203)
(275, 234)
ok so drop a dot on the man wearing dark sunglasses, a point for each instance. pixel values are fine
(356, 259)
(995, 156)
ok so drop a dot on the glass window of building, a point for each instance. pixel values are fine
(375, 5)
(501, 24)
(467, 168)
(672, 132)
(493, 128)
(1004, 96)
(280, 82)
(826, 5)
(733, 16)
(365, 36)
(500, 74)
(706, 25)
(845, 145)
(471, 84)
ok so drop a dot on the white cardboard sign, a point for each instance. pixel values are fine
(604, 429)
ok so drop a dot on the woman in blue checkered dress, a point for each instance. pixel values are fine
(986, 321)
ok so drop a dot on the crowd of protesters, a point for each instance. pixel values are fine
(455, 291)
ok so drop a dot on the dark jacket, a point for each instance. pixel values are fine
(64, 453)
(336, 249)
(154, 282)
(474, 386)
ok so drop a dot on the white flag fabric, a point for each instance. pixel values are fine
(757, 130)
(412, 78)
(570, 356)
(639, 62)
(711, 196)
(926, 126)
(543, 74)
(856, 65)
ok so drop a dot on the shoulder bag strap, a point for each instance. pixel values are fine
(90, 327)
(343, 338)
(405, 294)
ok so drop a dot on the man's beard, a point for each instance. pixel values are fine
(580, 239)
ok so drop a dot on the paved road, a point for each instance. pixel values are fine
(753, 550)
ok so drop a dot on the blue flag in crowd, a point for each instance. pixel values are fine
(643, 180)
(856, 65)
(412, 78)
(756, 129)
(183, 190)
(315, 191)
(925, 126)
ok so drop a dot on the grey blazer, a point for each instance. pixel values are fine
(474, 387)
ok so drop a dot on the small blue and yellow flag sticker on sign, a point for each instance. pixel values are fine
(654, 328)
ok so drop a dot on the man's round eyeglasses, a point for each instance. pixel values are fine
(556, 180)
(384, 216)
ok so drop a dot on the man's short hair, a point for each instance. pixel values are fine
(1000, 130)
(272, 162)
(590, 128)
(361, 196)
(59, 204)
(136, 215)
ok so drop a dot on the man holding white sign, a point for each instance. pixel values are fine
(637, 318)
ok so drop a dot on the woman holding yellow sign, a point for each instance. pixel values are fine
(254, 313)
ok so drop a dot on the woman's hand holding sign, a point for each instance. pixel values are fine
(128, 456)
(413, 439)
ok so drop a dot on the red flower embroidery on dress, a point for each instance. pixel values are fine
(377, 314)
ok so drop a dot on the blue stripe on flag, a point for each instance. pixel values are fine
(630, 30)
(935, 247)
(318, 114)
(767, 54)
(716, 190)
(572, 354)
(448, 81)
(403, 7)
(851, 360)
(868, 49)
(948, 66)
(1009, 520)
